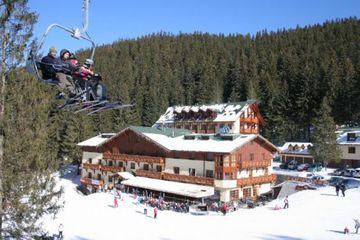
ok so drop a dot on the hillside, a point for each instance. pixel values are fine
(288, 71)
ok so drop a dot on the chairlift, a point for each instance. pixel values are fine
(91, 96)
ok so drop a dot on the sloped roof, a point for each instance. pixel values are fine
(174, 140)
(226, 112)
(97, 140)
(342, 139)
(285, 148)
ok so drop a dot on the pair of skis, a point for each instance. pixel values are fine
(92, 107)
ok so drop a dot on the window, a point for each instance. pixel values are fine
(209, 173)
(352, 150)
(132, 165)
(176, 170)
(158, 168)
(110, 179)
(89, 175)
(191, 171)
(90, 160)
(234, 195)
(228, 176)
(146, 167)
(110, 163)
(251, 156)
(209, 157)
(121, 164)
(99, 176)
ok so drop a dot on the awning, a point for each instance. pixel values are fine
(125, 175)
(182, 189)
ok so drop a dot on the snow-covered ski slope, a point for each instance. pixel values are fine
(318, 214)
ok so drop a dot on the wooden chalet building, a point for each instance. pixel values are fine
(298, 151)
(232, 165)
(239, 117)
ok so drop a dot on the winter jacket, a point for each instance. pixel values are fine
(50, 67)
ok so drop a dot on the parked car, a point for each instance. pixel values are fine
(284, 165)
(339, 172)
(293, 165)
(349, 172)
(315, 167)
(303, 167)
(356, 174)
(351, 183)
(335, 180)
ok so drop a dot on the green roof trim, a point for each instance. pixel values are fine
(170, 132)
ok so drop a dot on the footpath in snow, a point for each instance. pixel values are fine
(313, 214)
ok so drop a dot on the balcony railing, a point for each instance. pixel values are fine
(89, 181)
(188, 179)
(112, 168)
(250, 131)
(149, 174)
(254, 164)
(256, 180)
(103, 167)
(249, 120)
(91, 166)
(133, 158)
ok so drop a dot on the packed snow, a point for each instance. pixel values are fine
(313, 214)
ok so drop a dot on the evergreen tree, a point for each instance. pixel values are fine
(27, 187)
(324, 147)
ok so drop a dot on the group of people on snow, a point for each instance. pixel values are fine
(58, 68)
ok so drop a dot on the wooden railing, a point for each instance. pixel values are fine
(134, 158)
(91, 166)
(254, 164)
(250, 131)
(148, 174)
(256, 180)
(249, 120)
(103, 167)
(188, 179)
(112, 168)
(89, 181)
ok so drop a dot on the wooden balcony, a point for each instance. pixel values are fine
(91, 166)
(89, 181)
(256, 180)
(248, 131)
(148, 174)
(103, 167)
(188, 179)
(112, 168)
(254, 164)
(249, 120)
(134, 158)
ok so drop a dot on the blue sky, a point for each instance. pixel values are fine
(112, 20)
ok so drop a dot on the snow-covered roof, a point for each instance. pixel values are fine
(197, 145)
(343, 138)
(183, 189)
(125, 175)
(301, 148)
(96, 141)
(226, 112)
(182, 140)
